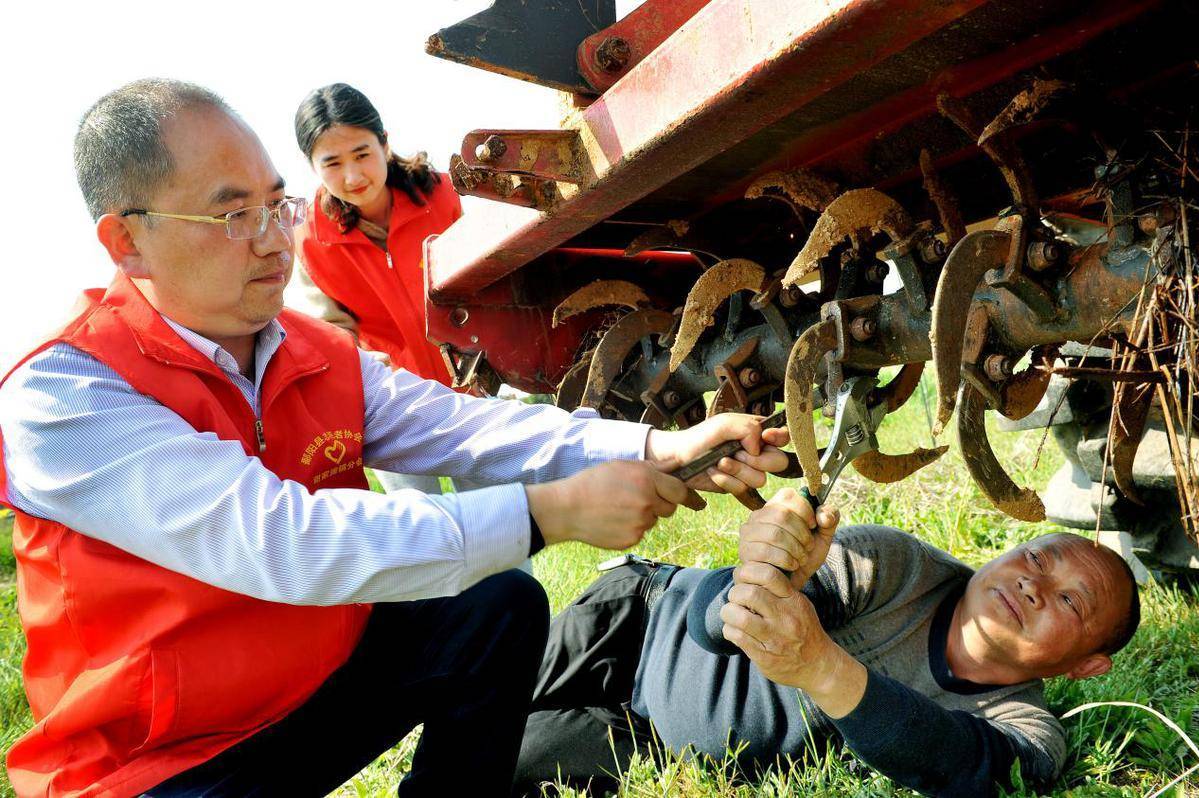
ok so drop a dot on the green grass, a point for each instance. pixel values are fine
(1113, 751)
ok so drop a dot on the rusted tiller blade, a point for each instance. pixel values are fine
(711, 289)
(1023, 108)
(599, 294)
(1020, 503)
(799, 188)
(1130, 410)
(886, 468)
(1022, 392)
(676, 234)
(901, 387)
(570, 389)
(802, 364)
(947, 206)
(615, 346)
(859, 214)
(960, 277)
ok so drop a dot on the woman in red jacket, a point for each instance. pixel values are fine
(361, 247)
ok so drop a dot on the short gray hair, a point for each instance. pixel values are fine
(120, 158)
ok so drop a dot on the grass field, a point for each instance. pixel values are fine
(1113, 751)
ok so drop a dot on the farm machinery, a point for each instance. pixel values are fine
(750, 202)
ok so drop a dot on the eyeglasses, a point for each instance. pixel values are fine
(244, 223)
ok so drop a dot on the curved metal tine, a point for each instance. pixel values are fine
(615, 346)
(973, 256)
(711, 289)
(802, 365)
(1020, 503)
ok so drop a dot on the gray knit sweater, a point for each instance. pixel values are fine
(886, 598)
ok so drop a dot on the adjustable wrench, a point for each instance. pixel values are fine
(854, 431)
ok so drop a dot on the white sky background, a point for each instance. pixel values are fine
(263, 57)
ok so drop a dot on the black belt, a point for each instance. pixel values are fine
(657, 578)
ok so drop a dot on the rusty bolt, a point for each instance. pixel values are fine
(696, 413)
(492, 149)
(863, 328)
(613, 54)
(1163, 215)
(749, 377)
(671, 399)
(877, 272)
(1043, 255)
(998, 367)
(932, 250)
(789, 297)
(459, 316)
(759, 408)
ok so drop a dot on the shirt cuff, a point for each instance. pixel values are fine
(872, 722)
(495, 530)
(608, 439)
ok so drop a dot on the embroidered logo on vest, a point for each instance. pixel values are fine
(334, 447)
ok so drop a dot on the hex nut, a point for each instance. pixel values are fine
(863, 328)
(492, 149)
(1043, 255)
(613, 54)
(997, 367)
(932, 250)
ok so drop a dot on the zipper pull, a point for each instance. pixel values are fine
(261, 434)
(389, 263)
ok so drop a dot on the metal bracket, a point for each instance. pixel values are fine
(528, 192)
(470, 369)
(730, 393)
(547, 154)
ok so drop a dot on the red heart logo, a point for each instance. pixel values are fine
(335, 451)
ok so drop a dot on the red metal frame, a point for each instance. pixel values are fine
(642, 31)
(519, 341)
(734, 68)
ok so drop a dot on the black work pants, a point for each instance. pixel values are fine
(464, 666)
(581, 728)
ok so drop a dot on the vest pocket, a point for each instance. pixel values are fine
(164, 698)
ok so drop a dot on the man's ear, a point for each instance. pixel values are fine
(114, 233)
(1094, 665)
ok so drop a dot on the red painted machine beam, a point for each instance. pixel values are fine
(734, 68)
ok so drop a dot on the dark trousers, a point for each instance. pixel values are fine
(464, 666)
(581, 728)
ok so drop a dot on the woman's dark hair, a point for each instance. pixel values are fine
(342, 104)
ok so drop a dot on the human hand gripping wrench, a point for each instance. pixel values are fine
(854, 433)
(772, 540)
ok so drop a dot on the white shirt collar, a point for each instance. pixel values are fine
(266, 344)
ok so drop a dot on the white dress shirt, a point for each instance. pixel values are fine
(83, 448)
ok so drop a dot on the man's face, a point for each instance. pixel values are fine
(197, 276)
(1045, 607)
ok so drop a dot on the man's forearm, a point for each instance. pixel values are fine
(920, 744)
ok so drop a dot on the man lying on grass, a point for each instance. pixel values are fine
(929, 671)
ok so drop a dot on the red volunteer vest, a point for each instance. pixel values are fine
(136, 673)
(387, 297)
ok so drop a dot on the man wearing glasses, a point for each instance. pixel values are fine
(214, 604)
